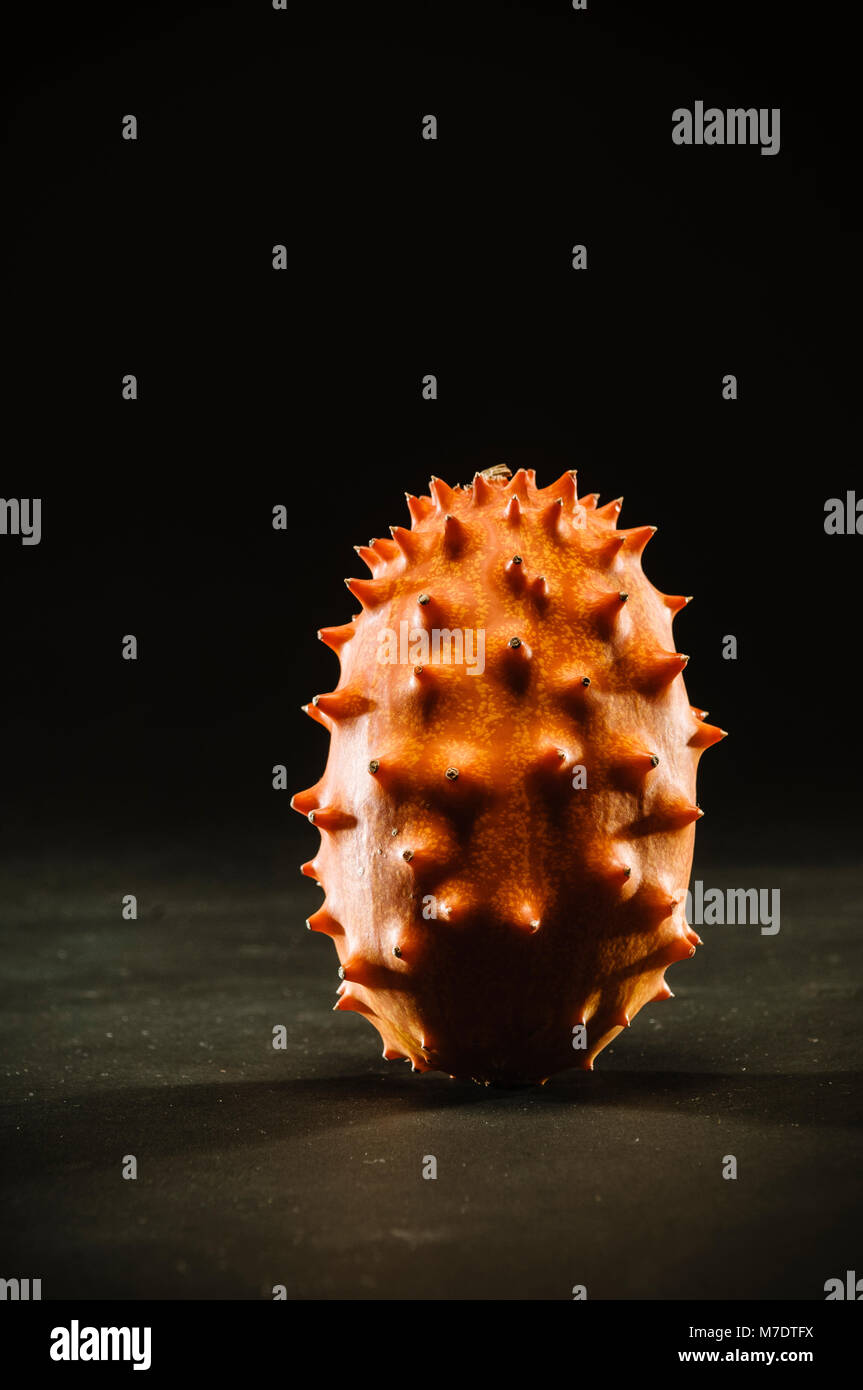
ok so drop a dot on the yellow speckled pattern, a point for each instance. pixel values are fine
(484, 895)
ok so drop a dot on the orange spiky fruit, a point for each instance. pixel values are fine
(508, 808)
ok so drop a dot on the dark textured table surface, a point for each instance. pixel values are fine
(303, 1167)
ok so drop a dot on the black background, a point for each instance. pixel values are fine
(303, 388)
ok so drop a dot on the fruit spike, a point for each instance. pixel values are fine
(483, 492)
(610, 512)
(539, 591)
(369, 593)
(706, 735)
(550, 518)
(608, 608)
(408, 542)
(336, 637)
(455, 535)
(565, 489)
(419, 508)
(636, 538)
(323, 921)
(480, 892)
(513, 512)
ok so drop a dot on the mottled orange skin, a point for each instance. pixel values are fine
(539, 925)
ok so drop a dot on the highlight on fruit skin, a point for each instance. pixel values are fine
(505, 850)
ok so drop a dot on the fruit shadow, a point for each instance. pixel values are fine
(57, 1137)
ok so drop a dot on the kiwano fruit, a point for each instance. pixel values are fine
(506, 842)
